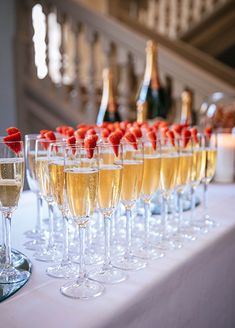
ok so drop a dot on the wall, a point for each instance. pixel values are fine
(7, 80)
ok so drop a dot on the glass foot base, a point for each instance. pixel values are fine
(34, 245)
(90, 259)
(47, 255)
(108, 276)
(83, 290)
(63, 271)
(165, 245)
(130, 263)
(149, 253)
(11, 275)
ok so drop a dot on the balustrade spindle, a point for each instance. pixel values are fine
(30, 61)
(198, 8)
(91, 107)
(174, 18)
(186, 16)
(61, 88)
(151, 14)
(124, 90)
(162, 17)
(107, 51)
(76, 100)
(46, 10)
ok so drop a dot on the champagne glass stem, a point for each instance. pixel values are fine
(128, 232)
(51, 226)
(65, 258)
(3, 231)
(107, 233)
(180, 200)
(82, 267)
(165, 214)
(193, 202)
(205, 199)
(7, 218)
(39, 213)
(146, 223)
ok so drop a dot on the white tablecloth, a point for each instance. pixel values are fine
(191, 287)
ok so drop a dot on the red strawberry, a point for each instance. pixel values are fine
(186, 135)
(69, 132)
(90, 144)
(194, 133)
(163, 134)
(71, 141)
(80, 133)
(111, 127)
(90, 131)
(177, 128)
(12, 141)
(130, 138)
(50, 135)
(137, 132)
(105, 133)
(120, 131)
(153, 139)
(42, 133)
(114, 139)
(123, 125)
(81, 125)
(12, 130)
(163, 124)
(170, 134)
(208, 132)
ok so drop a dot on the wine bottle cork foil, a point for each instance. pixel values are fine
(186, 111)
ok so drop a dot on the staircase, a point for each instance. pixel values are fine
(87, 41)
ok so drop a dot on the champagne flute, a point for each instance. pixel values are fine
(211, 155)
(183, 180)
(168, 180)
(81, 182)
(65, 269)
(132, 177)
(150, 184)
(198, 172)
(109, 187)
(11, 185)
(47, 253)
(37, 233)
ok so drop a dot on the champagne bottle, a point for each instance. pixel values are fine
(108, 111)
(152, 97)
(186, 109)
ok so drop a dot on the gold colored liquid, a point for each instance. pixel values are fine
(11, 182)
(131, 180)
(198, 167)
(81, 191)
(110, 179)
(151, 175)
(211, 155)
(56, 176)
(169, 171)
(184, 170)
(43, 177)
(32, 164)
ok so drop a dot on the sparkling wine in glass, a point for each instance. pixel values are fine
(11, 185)
(168, 182)
(132, 175)
(65, 269)
(81, 183)
(150, 185)
(109, 188)
(36, 234)
(48, 252)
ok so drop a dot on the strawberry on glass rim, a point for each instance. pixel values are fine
(186, 135)
(208, 132)
(90, 143)
(171, 136)
(131, 139)
(194, 133)
(115, 139)
(12, 140)
(152, 138)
